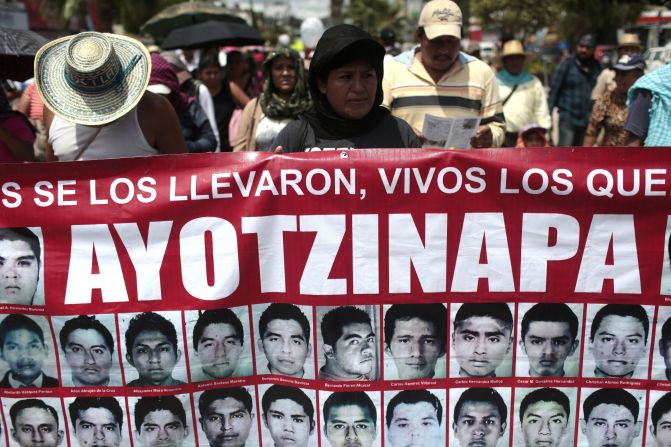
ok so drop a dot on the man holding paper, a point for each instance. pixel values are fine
(435, 78)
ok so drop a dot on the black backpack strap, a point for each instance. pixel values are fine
(503, 103)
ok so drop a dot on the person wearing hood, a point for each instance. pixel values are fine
(285, 95)
(196, 128)
(345, 80)
(522, 94)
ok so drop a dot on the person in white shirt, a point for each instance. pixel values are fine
(522, 94)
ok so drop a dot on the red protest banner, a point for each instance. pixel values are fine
(382, 282)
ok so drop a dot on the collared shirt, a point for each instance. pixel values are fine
(144, 382)
(526, 105)
(603, 375)
(37, 383)
(75, 382)
(463, 373)
(467, 89)
(328, 376)
(560, 375)
(571, 90)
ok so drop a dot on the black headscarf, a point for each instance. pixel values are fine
(337, 47)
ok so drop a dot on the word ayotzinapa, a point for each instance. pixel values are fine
(210, 254)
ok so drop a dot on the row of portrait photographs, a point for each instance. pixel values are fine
(283, 416)
(151, 348)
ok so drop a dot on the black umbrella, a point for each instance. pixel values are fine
(212, 33)
(17, 53)
(186, 14)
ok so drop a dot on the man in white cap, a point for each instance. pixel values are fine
(627, 44)
(522, 94)
(438, 79)
(93, 86)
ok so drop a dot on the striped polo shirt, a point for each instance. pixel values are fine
(467, 89)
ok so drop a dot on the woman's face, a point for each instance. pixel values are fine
(211, 77)
(350, 89)
(283, 73)
(514, 64)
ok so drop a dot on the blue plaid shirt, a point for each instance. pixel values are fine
(571, 90)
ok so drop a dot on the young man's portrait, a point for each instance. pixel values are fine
(27, 351)
(21, 266)
(288, 416)
(226, 418)
(153, 354)
(162, 421)
(415, 341)
(350, 419)
(482, 338)
(611, 417)
(348, 343)
(220, 348)
(659, 422)
(661, 359)
(545, 417)
(415, 418)
(548, 340)
(283, 340)
(479, 417)
(618, 341)
(35, 422)
(97, 421)
(88, 355)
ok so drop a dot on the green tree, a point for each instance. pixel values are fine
(516, 16)
(336, 10)
(570, 17)
(372, 15)
(131, 13)
(602, 17)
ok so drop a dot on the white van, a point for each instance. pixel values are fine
(487, 51)
(657, 57)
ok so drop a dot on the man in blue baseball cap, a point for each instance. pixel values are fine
(610, 109)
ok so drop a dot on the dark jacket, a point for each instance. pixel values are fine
(47, 381)
(571, 89)
(196, 129)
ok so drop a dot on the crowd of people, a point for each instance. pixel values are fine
(100, 95)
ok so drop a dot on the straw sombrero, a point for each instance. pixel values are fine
(513, 48)
(92, 78)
